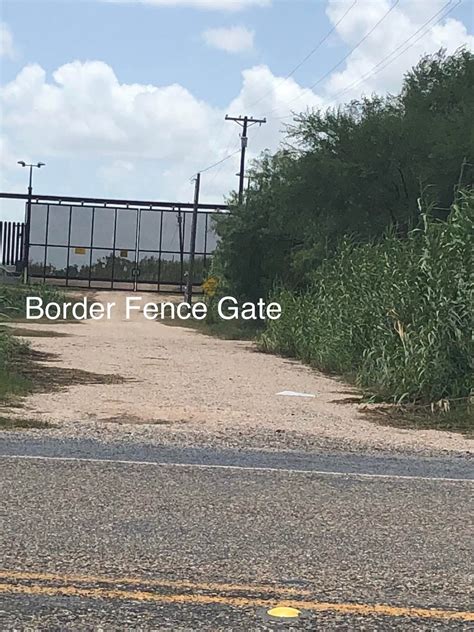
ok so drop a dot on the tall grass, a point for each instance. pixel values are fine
(397, 315)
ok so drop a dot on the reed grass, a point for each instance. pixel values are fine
(396, 316)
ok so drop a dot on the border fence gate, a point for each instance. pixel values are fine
(116, 244)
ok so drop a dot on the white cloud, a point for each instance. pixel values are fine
(213, 5)
(418, 19)
(85, 114)
(6, 42)
(146, 141)
(234, 39)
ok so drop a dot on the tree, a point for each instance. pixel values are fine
(355, 170)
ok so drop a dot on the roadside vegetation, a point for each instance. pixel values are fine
(362, 226)
(396, 315)
(12, 351)
(16, 359)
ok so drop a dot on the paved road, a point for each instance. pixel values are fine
(101, 536)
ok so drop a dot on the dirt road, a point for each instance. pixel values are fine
(181, 384)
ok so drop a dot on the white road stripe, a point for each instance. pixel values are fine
(243, 468)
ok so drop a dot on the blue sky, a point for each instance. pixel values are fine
(149, 44)
(128, 98)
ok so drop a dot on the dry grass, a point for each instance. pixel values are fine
(24, 332)
(459, 419)
(14, 423)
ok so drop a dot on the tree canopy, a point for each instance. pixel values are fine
(353, 170)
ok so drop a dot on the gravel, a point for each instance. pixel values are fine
(184, 388)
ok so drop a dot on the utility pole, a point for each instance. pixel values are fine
(192, 247)
(245, 122)
(27, 226)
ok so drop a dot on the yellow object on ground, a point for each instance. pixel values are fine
(284, 612)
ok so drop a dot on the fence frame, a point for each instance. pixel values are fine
(180, 209)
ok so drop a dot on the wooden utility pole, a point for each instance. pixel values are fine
(245, 122)
(192, 246)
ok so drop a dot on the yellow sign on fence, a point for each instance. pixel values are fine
(79, 251)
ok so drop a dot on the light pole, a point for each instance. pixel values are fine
(26, 240)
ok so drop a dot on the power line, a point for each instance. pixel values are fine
(355, 47)
(291, 73)
(371, 72)
(217, 171)
(215, 164)
(308, 56)
(379, 67)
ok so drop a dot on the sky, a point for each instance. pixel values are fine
(127, 98)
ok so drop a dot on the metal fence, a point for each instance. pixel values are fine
(11, 243)
(117, 244)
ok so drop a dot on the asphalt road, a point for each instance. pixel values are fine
(127, 537)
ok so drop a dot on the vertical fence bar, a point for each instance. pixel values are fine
(159, 252)
(205, 246)
(9, 232)
(46, 236)
(181, 247)
(68, 246)
(13, 243)
(22, 242)
(114, 244)
(6, 259)
(137, 246)
(92, 242)
(18, 243)
(4, 244)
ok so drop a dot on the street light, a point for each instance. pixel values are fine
(26, 241)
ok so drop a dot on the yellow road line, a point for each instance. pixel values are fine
(164, 583)
(237, 602)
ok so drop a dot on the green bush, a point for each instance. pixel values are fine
(396, 315)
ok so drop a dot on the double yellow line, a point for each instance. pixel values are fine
(193, 593)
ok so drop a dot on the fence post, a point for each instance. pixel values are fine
(192, 249)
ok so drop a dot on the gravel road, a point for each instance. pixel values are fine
(183, 387)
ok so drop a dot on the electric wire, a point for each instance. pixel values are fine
(308, 56)
(354, 48)
(290, 74)
(425, 27)
(215, 164)
(378, 66)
